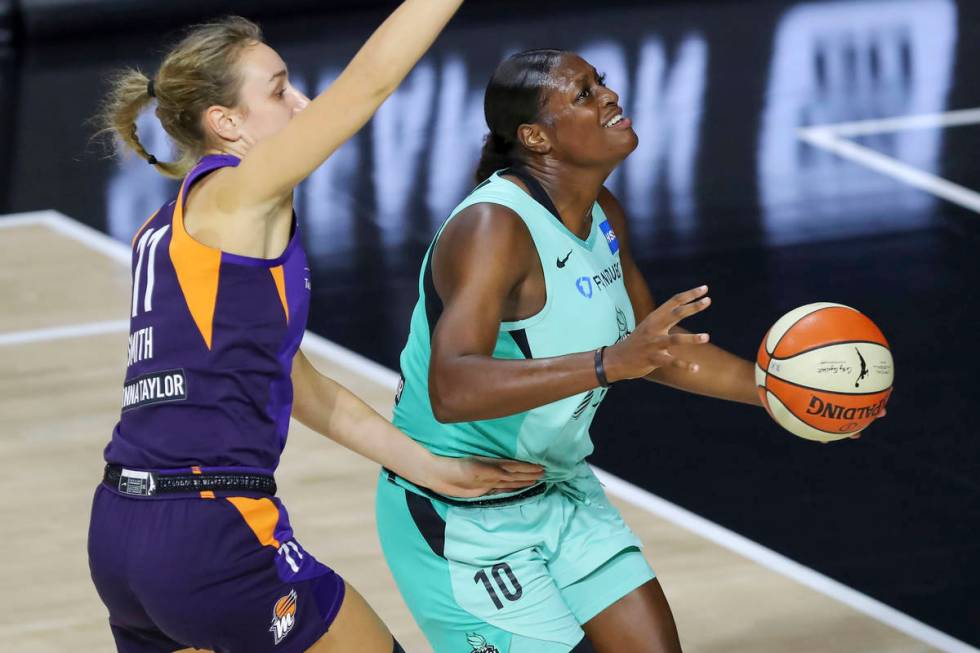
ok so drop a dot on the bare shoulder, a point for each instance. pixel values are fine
(215, 215)
(486, 246)
(215, 193)
(492, 228)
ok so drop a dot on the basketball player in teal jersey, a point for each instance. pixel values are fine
(188, 544)
(530, 306)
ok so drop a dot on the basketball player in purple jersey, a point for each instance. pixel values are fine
(188, 545)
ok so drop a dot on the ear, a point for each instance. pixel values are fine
(223, 123)
(534, 138)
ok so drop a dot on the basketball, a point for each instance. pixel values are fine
(824, 371)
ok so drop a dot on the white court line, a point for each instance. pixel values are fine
(351, 360)
(86, 235)
(780, 564)
(63, 332)
(834, 138)
(13, 220)
(73, 229)
(900, 123)
(617, 487)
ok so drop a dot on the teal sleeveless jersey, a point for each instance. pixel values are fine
(587, 307)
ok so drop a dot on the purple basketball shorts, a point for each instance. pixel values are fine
(222, 573)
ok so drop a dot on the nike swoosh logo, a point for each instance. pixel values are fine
(563, 261)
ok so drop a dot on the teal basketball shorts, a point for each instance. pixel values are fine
(518, 577)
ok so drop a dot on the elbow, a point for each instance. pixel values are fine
(384, 89)
(445, 407)
(447, 400)
(378, 92)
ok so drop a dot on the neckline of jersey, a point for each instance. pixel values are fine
(588, 244)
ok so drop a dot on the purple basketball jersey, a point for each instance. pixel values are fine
(211, 343)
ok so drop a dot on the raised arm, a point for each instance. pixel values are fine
(480, 266)
(276, 165)
(332, 410)
(719, 373)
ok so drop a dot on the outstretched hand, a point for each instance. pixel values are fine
(648, 347)
(475, 476)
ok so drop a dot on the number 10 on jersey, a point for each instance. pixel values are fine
(510, 588)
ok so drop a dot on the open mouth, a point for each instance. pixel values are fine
(618, 121)
(613, 121)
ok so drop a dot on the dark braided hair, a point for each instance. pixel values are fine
(514, 96)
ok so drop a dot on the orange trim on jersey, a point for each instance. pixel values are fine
(143, 226)
(261, 515)
(280, 278)
(197, 267)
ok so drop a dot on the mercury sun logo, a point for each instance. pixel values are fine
(283, 616)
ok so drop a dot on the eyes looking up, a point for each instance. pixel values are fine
(589, 87)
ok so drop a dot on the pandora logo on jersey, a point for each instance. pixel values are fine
(608, 276)
(154, 388)
(605, 278)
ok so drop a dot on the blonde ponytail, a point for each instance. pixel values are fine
(198, 72)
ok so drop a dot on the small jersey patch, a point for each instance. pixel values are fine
(136, 482)
(400, 390)
(610, 235)
(154, 388)
(283, 616)
(479, 644)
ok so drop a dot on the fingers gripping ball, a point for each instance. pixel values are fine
(824, 371)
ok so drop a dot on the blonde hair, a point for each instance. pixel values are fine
(200, 71)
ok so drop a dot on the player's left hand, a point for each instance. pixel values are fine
(475, 476)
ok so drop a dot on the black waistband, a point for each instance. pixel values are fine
(532, 491)
(145, 483)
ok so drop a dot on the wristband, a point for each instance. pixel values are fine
(600, 370)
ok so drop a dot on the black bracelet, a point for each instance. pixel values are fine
(600, 370)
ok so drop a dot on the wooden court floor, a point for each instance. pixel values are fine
(62, 358)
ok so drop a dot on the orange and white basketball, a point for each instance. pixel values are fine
(824, 371)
